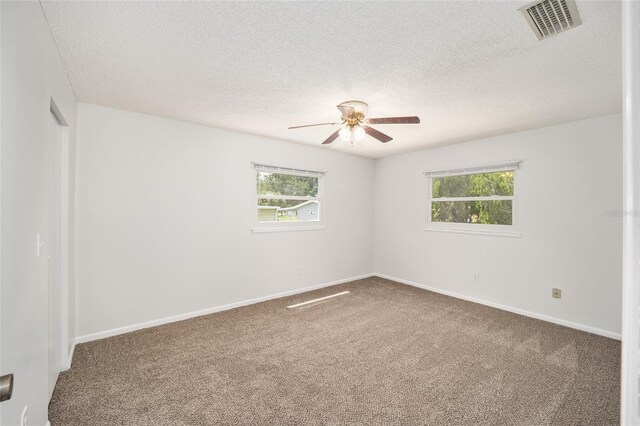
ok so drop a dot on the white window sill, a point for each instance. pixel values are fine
(287, 229)
(507, 234)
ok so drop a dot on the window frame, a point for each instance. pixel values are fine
(276, 226)
(474, 228)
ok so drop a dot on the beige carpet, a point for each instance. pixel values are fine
(385, 354)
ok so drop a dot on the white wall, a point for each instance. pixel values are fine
(32, 73)
(570, 176)
(164, 211)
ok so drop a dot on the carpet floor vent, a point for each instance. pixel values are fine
(550, 17)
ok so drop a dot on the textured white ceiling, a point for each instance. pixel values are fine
(468, 69)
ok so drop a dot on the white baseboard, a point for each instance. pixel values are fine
(180, 317)
(70, 356)
(565, 323)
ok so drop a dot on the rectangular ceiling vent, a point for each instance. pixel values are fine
(550, 17)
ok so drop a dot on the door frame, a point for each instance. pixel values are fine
(630, 392)
(66, 347)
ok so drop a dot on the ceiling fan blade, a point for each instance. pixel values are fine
(331, 138)
(394, 120)
(377, 134)
(346, 111)
(312, 125)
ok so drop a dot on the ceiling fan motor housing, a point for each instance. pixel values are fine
(353, 110)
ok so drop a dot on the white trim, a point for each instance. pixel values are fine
(483, 198)
(508, 234)
(287, 170)
(518, 311)
(70, 355)
(472, 170)
(64, 162)
(630, 387)
(284, 228)
(64, 246)
(287, 197)
(181, 317)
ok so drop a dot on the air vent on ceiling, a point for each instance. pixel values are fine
(550, 17)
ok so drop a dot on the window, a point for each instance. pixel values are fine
(287, 195)
(480, 199)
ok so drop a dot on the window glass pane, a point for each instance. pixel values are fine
(288, 210)
(281, 184)
(476, 185)
(482, 212)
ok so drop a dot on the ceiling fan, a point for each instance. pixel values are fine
(355, 123)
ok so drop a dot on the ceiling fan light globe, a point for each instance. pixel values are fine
(345, 134)
(358, 133)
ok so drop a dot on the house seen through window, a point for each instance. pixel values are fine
(287, 195)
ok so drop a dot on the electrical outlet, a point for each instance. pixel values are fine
(23, 419)
(476, 278)
(556, 293)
